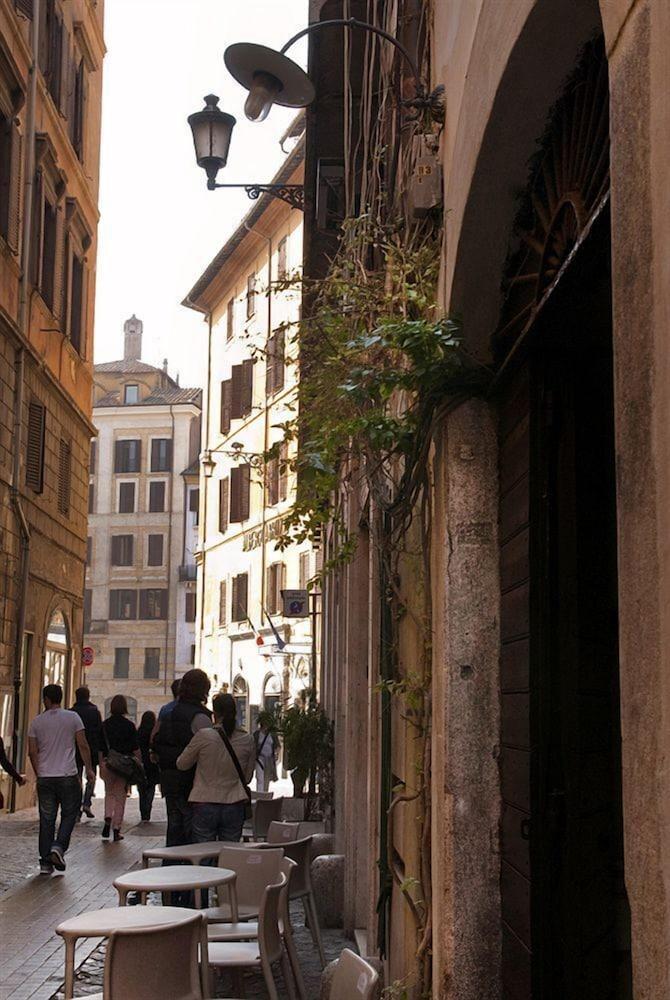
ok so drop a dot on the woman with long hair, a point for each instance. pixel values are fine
(120, 734)
(219, 795)
(148, 790)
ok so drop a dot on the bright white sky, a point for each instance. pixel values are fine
(160, 226)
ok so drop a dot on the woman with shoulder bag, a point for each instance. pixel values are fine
(224, 760)
(120, 737)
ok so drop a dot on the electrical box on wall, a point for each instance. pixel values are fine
(425, 186)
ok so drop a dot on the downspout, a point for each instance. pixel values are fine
(23, 323)
(169, 564)
(202, 530)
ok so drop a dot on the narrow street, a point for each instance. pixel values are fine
(31, 957)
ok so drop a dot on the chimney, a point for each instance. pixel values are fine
(165, 365)
(132, 339)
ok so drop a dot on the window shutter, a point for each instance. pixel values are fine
(224, 502)
(13, 217)
(55, 57)
(35, 446)
(251, 295)
(230, 319)
(283, 472)
(77, 291)
(46, 13)
(271, 589)
(144, 604)
(235, 601)
(279, 340)
(118, 456)
(24, 7)
(239, 493)
(66, 75)
(36, 236)
(242, 596)
(59, 268)
(270, 366)
(273, 481)
(92, 456)
(116, 549)
(282, 259)
(64, 475)
(190, 607)
(226, 403)
(222, 602)
(194, 501)
(236, 410)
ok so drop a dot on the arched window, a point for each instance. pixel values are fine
(57, 655)
(241, 696)
(272, 694)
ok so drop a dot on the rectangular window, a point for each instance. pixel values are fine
(161, 455)
(126, 498)
(276, 574)
(127, 456)
(152, 663)
(251, 295)
(92, 457)
(239, 611)
(79, 96)
(223, 617)
(88, 609)
(226, 401)
(122, 605)
(89, 550)
(91, 498)
(303, 577)
(242, 390)
(282, 258)
(194, 502)
(224, 504)
(35, 446)
(275, 362)
(131, 394)
(153, 604)
(121, 663)
(122, 550)
(192, 653)
(64, 476)
(10, 181)
(190, 608)
(240, 478)
(230, 319)
(48, 266)
(156, 497)
(155, 550)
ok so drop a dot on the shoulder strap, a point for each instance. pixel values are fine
(233, 757)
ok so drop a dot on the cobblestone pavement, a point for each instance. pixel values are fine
(31, 955)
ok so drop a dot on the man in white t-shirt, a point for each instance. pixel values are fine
(53, 739)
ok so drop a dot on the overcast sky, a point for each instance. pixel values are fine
(160, 226)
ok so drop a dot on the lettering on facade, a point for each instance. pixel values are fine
(254, 539)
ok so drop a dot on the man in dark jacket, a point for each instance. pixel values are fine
(173, 734)
(90, 716)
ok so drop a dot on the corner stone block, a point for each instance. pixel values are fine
(328, 886)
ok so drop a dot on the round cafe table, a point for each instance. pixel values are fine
(192, 854)
(101, 923)
(177, 878)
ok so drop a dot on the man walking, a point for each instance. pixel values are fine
(53, 739)
(90, 716)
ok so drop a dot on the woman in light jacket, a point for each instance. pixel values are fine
(218, 796)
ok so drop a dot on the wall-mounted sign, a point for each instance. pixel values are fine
(296, 603)
(87, 656)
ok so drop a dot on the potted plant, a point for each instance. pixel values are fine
(307, 733)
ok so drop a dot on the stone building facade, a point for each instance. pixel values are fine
(550, 520)
(51, 57)
(252, 311)
(139, 601)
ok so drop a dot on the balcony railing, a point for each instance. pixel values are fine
(188, 572)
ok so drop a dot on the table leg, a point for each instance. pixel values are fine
(232, 901)
(123, 896)
(68, 988)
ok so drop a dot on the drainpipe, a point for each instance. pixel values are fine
(19, 375)
(202, 530)
(169, 565)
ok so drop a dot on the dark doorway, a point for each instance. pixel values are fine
(565, 917)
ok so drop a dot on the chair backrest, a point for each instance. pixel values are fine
(269, 935)
(150, 962)
(265, 812)
(299, 851)
(257, 796)
(279, 832)
(354, 978)
(287, 867)
(308, 828)
(255, 869)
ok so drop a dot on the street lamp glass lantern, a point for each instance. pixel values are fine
(270, 77)
(212, 129)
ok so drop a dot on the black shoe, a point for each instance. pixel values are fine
(107, 828)
(88, 812)
(57, 860)
(117, 836)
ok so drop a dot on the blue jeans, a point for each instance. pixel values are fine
(217, 821)
(53, 793)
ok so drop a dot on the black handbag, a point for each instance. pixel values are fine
(240, 773)
(125, 765)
